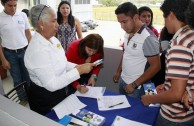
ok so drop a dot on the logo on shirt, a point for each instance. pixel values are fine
(20, 22)
(134, 45)
(59, 46)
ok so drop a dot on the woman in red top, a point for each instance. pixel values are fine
(146, 16)
(86, 50)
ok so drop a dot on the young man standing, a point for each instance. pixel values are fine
(188, 97)
(15, 35)
(179, 68)
(140, 60)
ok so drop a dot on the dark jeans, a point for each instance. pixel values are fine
(164, 122)
(18, 70)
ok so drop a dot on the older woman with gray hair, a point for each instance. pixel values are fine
(47, 65)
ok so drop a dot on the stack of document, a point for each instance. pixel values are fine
(68, 106)
(93, 92)
(112, 102)
(71, 121)
(120, 121)
(90, 117)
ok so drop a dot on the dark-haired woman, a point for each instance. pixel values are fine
(146, 16)
(68, 25)
(86, 50)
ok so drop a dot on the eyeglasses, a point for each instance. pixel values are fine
(42, 10)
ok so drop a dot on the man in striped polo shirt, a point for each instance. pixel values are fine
(179, 68)
(188, 97)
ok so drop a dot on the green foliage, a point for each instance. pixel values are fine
(108, 14)
(110, 3)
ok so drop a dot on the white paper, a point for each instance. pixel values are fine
(120, 121)
(93, 92)
(154, 105)
(68, 106)
(78, 121)
(117, 102)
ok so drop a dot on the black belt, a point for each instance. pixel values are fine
(15, 50)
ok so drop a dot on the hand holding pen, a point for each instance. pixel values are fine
(82, 88)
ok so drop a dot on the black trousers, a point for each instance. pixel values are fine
(42, 100)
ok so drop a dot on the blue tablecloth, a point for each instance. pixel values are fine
(137, 112)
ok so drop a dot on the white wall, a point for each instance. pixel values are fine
(1, 8)
(83, 12)
(53, 4)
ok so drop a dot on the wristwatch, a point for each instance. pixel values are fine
(134, 85)
(94, 76)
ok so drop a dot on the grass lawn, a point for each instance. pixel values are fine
(107, 14)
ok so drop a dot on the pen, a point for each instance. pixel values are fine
(189, 92)
(116, 105)
(84, 85)
(75, 124)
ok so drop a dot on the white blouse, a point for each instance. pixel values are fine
(47, 64)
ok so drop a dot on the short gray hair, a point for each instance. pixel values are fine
(38, 12)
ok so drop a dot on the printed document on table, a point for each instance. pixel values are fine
(120, 121)
(68, 106)
(93, 92)
(112, 102)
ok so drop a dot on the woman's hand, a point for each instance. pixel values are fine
(82, 89)
(91, 81)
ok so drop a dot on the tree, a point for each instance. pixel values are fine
(110, 3)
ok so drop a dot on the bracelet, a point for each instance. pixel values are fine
(134, 85)
(94, 76)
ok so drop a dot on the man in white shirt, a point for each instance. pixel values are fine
(140, 60)
(15, 35)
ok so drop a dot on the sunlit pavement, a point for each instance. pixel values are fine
(111, 32)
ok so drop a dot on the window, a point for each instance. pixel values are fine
(76, 1)
(84, 1)
(69, 1)
(80, 1)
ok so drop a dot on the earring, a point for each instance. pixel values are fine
(42, 28)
